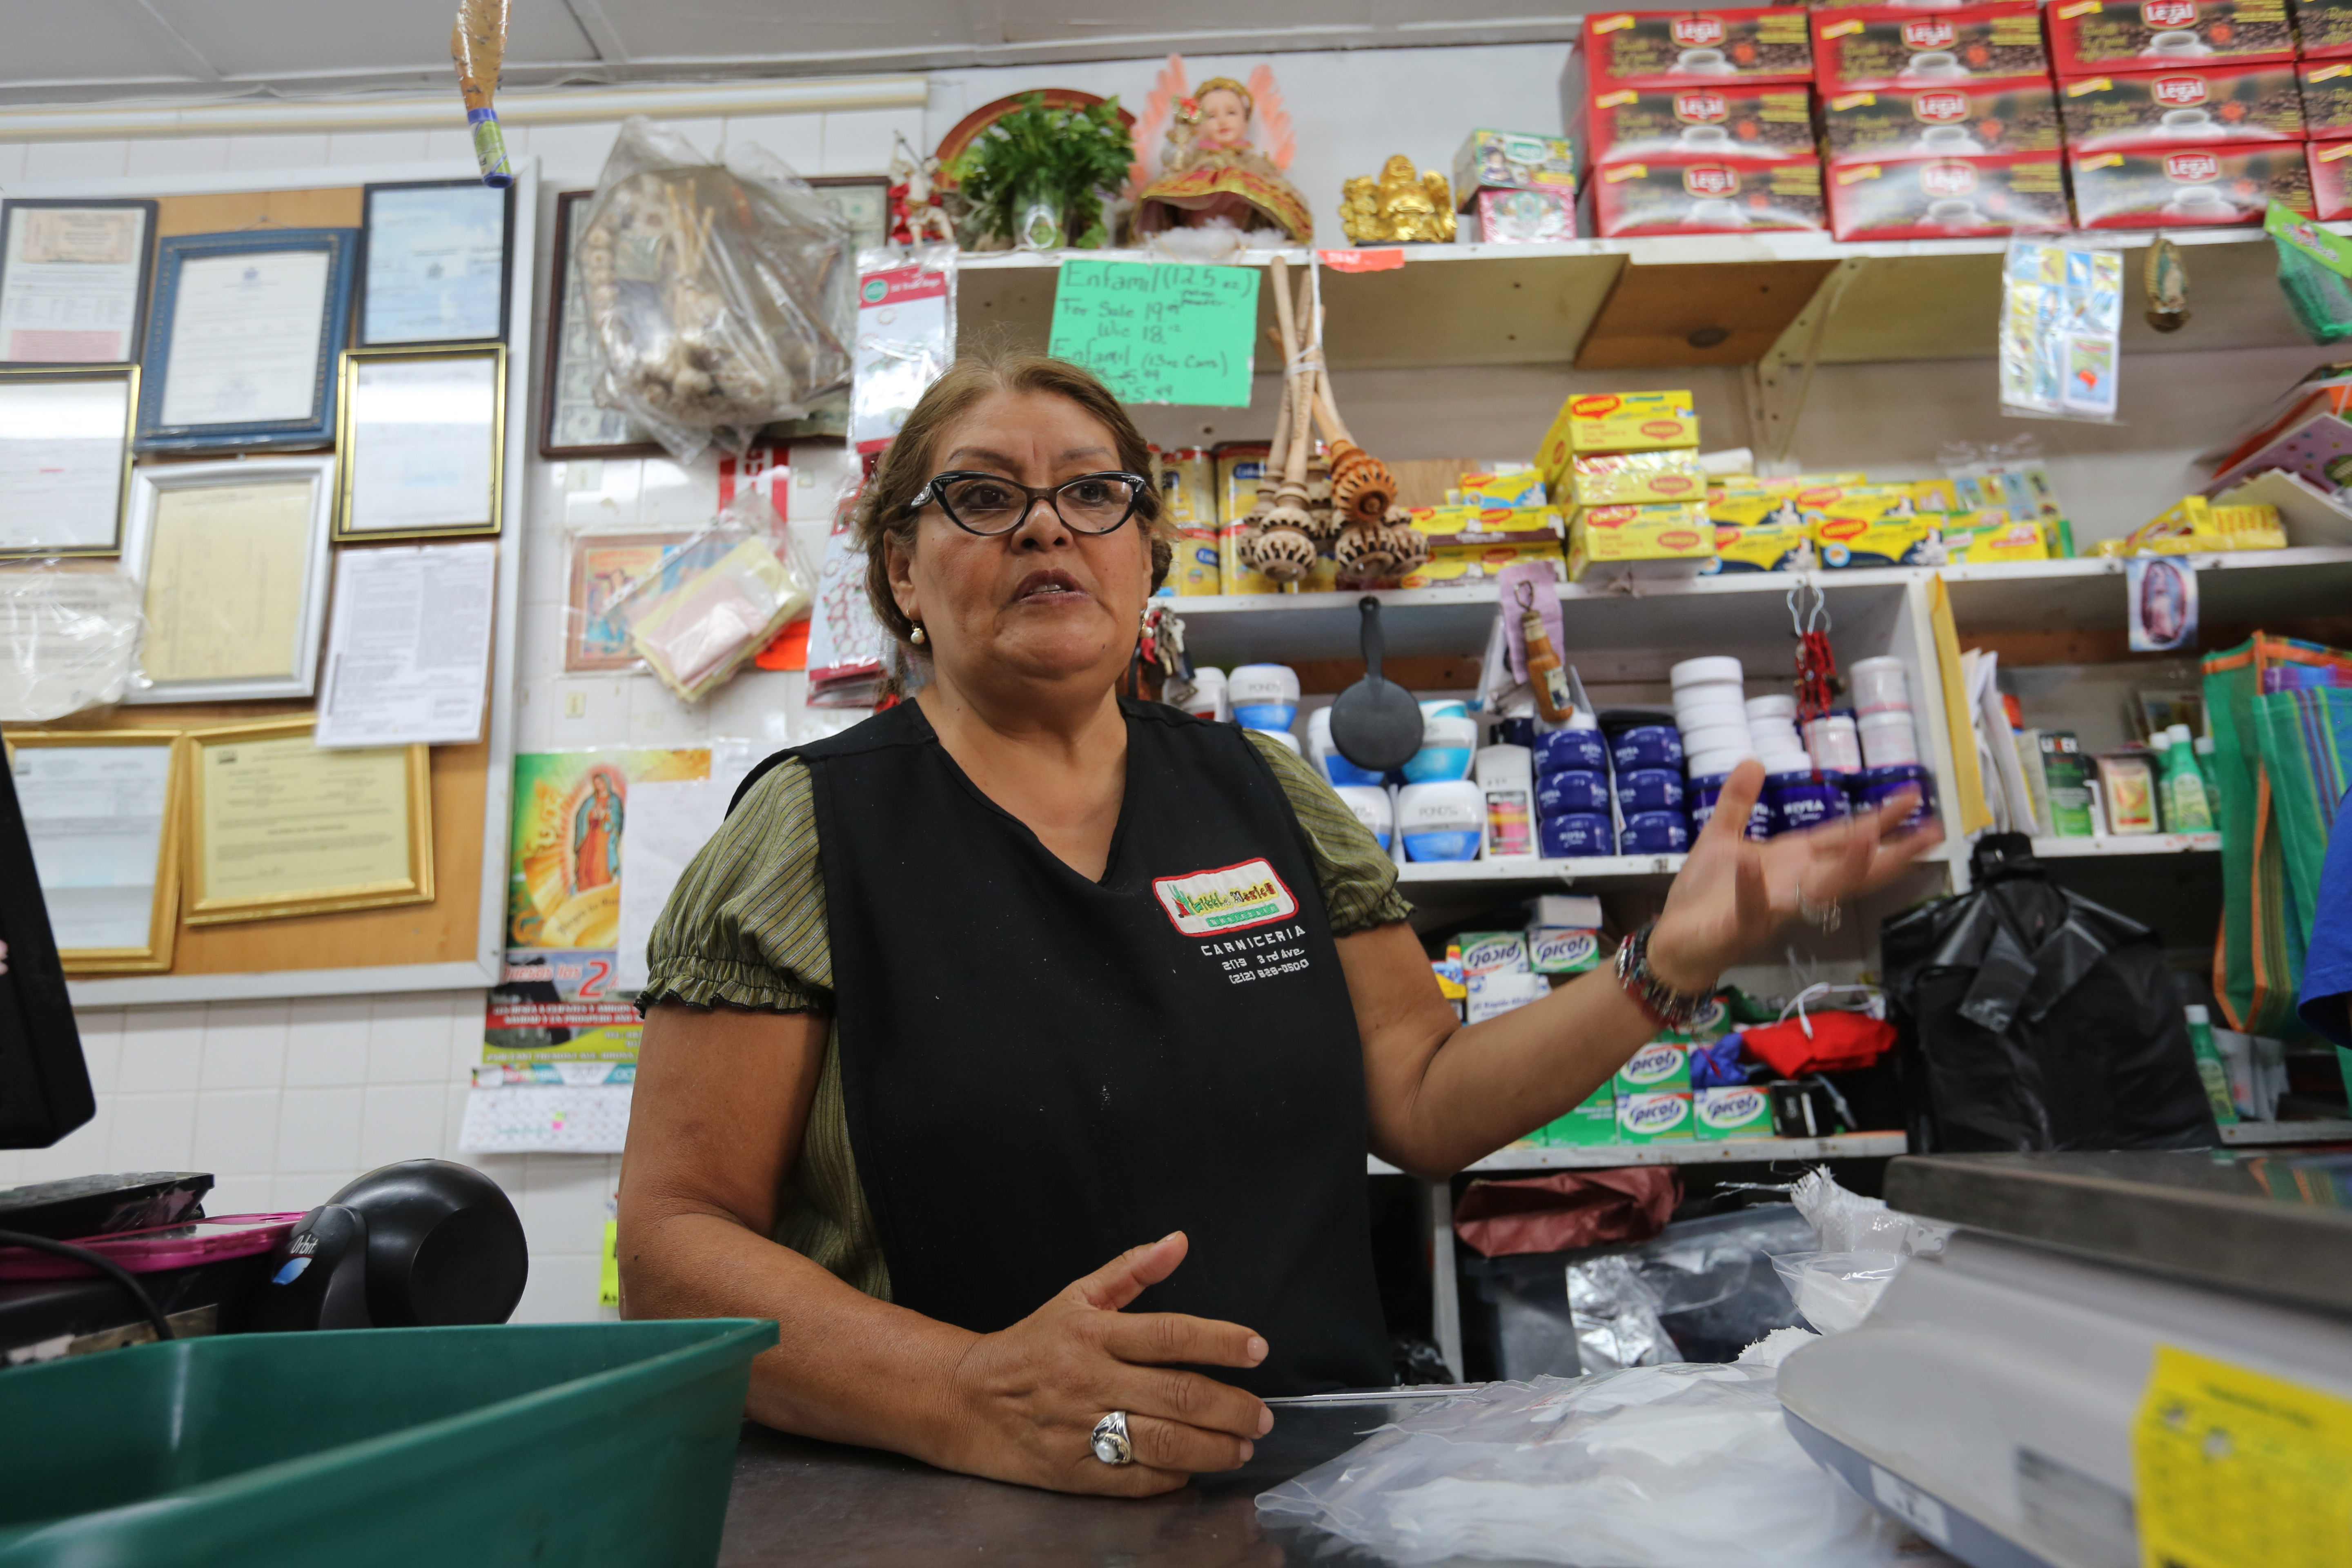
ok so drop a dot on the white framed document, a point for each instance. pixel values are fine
(64, 459)
(103, 810)
(241, 349)
(73, 280)
(231, 560)
(423, 437)
(433, 266)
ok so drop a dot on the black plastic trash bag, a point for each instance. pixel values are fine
(2042, 1019)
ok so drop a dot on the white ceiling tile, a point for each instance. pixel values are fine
(266, 38)
(708, 30)
(95, 40)
(1053, 21)
(178, 155)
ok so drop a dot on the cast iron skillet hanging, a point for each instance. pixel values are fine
(1375, 723)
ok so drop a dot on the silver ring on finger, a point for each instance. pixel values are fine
(1110, 1442)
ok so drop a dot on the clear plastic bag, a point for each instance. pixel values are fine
(850, 653)
(1689, 1466)
(1848, 1222)
(1836, 1291)
(905, 336)
(719, 295)
(701, 616)
(68, 640)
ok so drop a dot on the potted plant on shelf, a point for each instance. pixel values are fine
(1037, 179)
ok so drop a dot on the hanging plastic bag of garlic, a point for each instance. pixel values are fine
(720, 295)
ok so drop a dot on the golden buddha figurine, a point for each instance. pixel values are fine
(1398, 206)
(1211, 174)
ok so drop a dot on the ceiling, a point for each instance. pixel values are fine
(129, 49)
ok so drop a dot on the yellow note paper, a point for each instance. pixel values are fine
(2238, 1469)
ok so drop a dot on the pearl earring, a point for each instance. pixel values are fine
(918, 637)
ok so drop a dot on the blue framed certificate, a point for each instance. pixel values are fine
(433, 266)
(242, 341)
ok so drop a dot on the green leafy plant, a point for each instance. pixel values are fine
(1067, 158)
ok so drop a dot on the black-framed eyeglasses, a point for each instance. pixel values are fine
(991, 505)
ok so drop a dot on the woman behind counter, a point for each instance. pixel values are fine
(939, 1039)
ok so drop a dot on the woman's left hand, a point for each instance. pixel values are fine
(1733, 891)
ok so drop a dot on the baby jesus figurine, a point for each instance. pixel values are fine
(1212, 174)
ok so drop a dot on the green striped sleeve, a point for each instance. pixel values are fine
(746, 924)
(1358, 879)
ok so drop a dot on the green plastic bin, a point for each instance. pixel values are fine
(605, 1444)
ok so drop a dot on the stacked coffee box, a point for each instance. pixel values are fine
(1695, 121)
(1937, 123)
(2181, 113)
(2324, 72)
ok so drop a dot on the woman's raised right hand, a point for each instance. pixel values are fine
(1023, 1402)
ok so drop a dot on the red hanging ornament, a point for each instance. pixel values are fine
(1816, 665)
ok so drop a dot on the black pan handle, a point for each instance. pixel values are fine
(1374, 646)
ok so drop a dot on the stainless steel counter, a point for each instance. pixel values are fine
(820, 1505)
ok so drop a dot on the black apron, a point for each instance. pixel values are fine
(1043, 1071)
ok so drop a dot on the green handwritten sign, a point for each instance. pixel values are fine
(1160, 333)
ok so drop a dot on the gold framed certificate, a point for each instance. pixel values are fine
(423, 440)
(64, 459)
(103, 810)
(231, 560)
(279, 827)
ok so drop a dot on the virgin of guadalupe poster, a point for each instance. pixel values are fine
(565, 857)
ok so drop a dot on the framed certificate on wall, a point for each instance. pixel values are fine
(280, 826)
(421, 438)
(73, 280)
(242, 343)
(103, 810)
(231, 560)
(64, 459)
(433, 263)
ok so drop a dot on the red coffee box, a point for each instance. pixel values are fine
(1660, 48)
(1944, 199)
(1706, 195)
(2088, 38)
(2181, 105)
(1525, 217)
(1968, 119)
(1627, 124)
(2326, 99)
(1871, 47)
(2182, 187)
(2324, 27)
(2331, 180)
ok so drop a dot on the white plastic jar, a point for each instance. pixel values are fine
(1442, 821)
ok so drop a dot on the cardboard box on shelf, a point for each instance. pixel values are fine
(2330, 164)
(1611, 422)
(1628, 49)
(1958, 119)
(1524, 218)
(2091, 37)
(1493, 952)
(1975, 538)
(1513, 161)
(1654, 1117)
(2323, 29)
(1740, 1111)
(1871, 47)
(1522, 489)
(1879, 529)
(1760, 547)
(2180, 187)
(1685, 194)
(1625, 124)
(1468, 568)
(1933, 198)
(2326, 93)
(1472, 530)
(1631, 479)
(2182, 104)
(1563, 950)
(1677, 536)
(1591, 1124)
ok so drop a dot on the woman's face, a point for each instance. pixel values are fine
(1041, 603)
(1224, 123)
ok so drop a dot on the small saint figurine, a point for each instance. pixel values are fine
(915, 212)
(1211, 173)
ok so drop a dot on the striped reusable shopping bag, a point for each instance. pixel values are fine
(2258, 959)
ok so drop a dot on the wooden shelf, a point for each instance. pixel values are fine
(1467, 875)
(1689, 1151)
(1471, 304)
(2088, 594)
